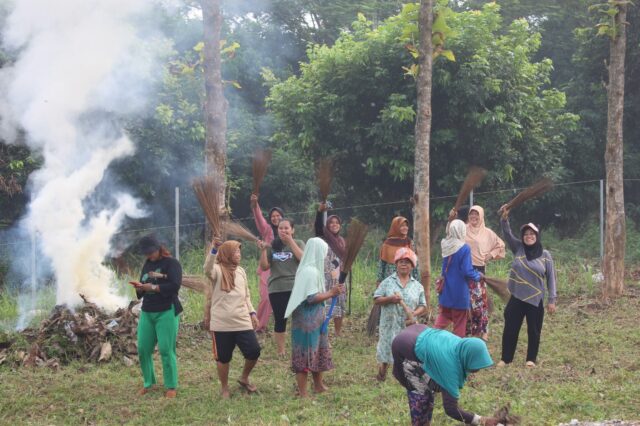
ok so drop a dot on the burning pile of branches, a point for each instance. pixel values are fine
(86, 334)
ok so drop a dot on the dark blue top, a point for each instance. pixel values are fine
(455, 293)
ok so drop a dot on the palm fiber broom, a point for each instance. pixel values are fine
(473, 179)
(533, 191)
(261, 161)
(500, 287)
(238, 230)
(324, 175)
(207, 190)
(356, 234)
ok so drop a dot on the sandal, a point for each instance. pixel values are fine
(248, 387)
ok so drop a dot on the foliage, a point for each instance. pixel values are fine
(491, 106)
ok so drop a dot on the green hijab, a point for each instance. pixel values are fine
(310, 274)
(448, 359)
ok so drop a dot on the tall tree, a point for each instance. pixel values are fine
(215, 104)
(615, 232)
(422, 138)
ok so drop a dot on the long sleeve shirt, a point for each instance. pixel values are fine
(457, 270)
(229, 311)
(527, 277)
(168, 287)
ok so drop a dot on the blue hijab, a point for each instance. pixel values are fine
(448, 359)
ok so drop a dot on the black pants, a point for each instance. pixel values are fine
(516, 311)
(279, 302)
(226, 342)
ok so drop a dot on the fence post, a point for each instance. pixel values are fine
(471, 198)
(34, 273)
(177, 233)
(601, 219)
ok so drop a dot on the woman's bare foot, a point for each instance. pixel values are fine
(224, 393)
(320, 388)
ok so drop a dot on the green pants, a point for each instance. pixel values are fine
(160, 328)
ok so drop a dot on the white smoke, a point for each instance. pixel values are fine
(80, 63)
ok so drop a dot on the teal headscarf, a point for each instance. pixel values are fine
(309, 275)
(448, 359)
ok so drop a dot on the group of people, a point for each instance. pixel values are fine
(297, 278)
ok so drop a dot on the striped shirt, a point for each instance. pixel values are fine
(527, 277)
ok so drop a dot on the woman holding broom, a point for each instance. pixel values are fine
(268, 231)
(457, 270)
(310, 349)
(394, 294)
(485, 246)
(159, 283)
(282, 258)
(330, 233)
(427, 361)
(229, 314)
(531, 267)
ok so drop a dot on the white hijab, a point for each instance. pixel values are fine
(456, 234)
(309, 275)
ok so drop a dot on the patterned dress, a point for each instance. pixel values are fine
(331, 275)
(310, 348)
(392, 316)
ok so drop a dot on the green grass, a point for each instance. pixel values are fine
(588, 369)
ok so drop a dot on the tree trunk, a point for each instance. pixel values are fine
(615, 232)
(215, 105)
(422, 137)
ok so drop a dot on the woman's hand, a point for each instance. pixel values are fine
(287, 240)
(217, 242)
(322, 207)
(395, 298)
(337, 290)
(262, 245)
(504, 212)
(254, 320)
(146, 287)
(551, 308)
(207, 322)
(453, 213)
(253, 201)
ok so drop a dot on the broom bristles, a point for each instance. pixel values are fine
(535, 190)
(238, 230)
(207, 190)
(473, 179)
(261, 161)
(500, 287)
(373, 320)
(356, 234)
(194, 282)
(325, 177)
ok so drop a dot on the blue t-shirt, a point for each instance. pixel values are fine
(455, 293)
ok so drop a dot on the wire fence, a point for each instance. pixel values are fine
(182, 237)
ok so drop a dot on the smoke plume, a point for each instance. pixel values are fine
(80, 66)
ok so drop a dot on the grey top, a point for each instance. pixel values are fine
(527, 277)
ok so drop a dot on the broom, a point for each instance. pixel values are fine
(535, 190)
(194, 282)
(500, 287)
(324, 175)
(356, 234)
(207, 190)
(238, 230)
(261, 160)
(373, 320)
(473, 179)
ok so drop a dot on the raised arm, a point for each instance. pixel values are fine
(319, 223)
(513, 242)
(266, 233)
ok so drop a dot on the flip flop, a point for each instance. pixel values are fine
(248, 387)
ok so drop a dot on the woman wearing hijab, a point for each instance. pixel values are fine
(399, 287)
(330, 233)
(427, 361)
(457, 270)
(268, 231)
(397, 237)
(485, 246)
(228, 314)
(282, 258)
(310, 349)
(159, 283)
(531, 267)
